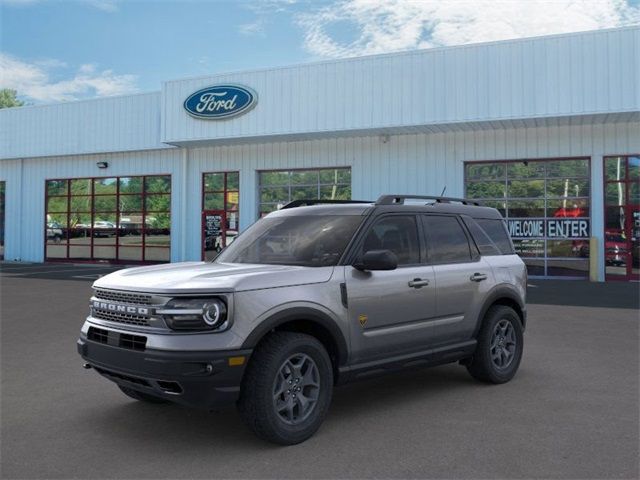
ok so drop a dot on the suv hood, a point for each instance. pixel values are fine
(201, 277)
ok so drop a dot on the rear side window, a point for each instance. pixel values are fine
(497, 232)
(484, 243)
(446, 240)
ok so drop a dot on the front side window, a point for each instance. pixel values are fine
(308, 241)
(397, 233)
(446, 240)
(279, 187)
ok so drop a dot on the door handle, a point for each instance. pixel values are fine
(418, 283)
(478, 277)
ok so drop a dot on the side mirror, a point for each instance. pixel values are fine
(377, 260)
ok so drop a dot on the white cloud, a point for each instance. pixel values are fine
(252, 28)
(33, 80)
(392, 25)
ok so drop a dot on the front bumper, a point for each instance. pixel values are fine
(196, 379)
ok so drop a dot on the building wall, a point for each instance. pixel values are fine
(416, 163)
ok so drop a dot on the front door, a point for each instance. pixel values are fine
(389, 311)
(622, 218)
(214, 233)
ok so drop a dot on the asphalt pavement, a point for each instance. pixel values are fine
(572, 411)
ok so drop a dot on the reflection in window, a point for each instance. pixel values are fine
(109, 219)
(277, 188)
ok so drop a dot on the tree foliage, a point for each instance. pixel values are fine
(8, 98)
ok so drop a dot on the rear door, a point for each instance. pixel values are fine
(390, 311)
(462, 277)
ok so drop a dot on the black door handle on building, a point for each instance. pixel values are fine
(418, 283)
(478, 277)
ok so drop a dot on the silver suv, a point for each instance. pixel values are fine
(313, 295)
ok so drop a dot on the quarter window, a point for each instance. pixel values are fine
(397, 233)
(446, 240)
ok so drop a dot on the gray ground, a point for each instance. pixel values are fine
(571, 412)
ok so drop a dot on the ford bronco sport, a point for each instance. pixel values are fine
(313, 295)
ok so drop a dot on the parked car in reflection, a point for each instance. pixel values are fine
(54, 232)
(102, 228)
(615, 249)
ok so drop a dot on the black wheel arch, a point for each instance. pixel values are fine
(507, 296)
(305, 320)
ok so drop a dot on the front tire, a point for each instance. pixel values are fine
(500, 345)
(141, 396)
(287, 388)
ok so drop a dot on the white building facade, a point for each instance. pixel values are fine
(545, 129)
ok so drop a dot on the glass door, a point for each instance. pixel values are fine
(622, 217)
(213, 233)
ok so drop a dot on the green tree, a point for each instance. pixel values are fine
(8, 98)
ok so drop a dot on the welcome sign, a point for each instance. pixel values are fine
(220, 102)
(550, 228)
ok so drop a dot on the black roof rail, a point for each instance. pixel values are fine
(315, 201)
(399, 199)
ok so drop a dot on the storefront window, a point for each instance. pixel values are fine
(124, 219)
(278, 187)
(220, 211)
(546, 204)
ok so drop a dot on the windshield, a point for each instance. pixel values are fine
(309, 241)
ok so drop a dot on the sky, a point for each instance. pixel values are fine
(55, 50)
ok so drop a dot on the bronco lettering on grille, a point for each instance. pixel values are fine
(113, 307)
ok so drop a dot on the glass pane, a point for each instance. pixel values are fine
(130, 185)
(105, 185)
(81, 186)
(56, 250)
(130, 203)
(486, 190)
(103, 236)
(535, 268)
(614, 218)
(447, 240)
(81, 204)
(157, 238)
(570, 208)
(233, 181)
(158, 184)
(80, 252)
(130, 253)
(233, 198)
(57, 220)
(568, 168)
(568, 248)
(159, 221)
(525, 169)
(525, 208)
(213, 182)
(485, 171)
(105, 203)
(525, 189)
(568, 268)
(57, 204)
(157, 254)
(614, 168)
(158, 203)
(104, 220)
(615, 194)
(57, 187)
(634, 193)
(306, 177)
(103, 252)
(56, 234)
(634, 168)
(274, 195)
(341, 192)
(301, 193)
(214, 201)
(274, 178)
(529, 248)
(336, 175)
(568, 188)
(130, 223)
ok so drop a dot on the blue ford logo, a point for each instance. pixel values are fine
(220, 101)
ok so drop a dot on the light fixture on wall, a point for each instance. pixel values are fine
(102, 164)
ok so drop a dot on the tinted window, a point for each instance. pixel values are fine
(310, 241)
(398, 234)
(446, 240)
(484, 243)
(497, 233)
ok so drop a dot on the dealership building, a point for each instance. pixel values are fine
(545, 129)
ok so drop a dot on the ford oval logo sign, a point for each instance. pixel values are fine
(220, 101)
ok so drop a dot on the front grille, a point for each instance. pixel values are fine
(122, 340)
(127, 318)
(123, 297)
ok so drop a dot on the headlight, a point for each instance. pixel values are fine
(195, 314)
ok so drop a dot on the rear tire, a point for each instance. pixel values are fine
(499, 349)
(141, 396)
(287, 388)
